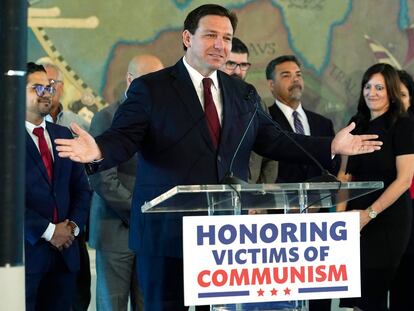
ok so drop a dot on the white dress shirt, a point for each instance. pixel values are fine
(50, 230)
(288, 111)
(197, 79)
(30, 127)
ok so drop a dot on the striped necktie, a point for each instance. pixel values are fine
(297, 123)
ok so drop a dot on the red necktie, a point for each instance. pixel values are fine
(47, 160)
(211, 112)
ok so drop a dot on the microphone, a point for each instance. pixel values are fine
(230, 178)
(326, 176)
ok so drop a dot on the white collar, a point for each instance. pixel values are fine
(287, 111)
(197, 77)
(30, 126)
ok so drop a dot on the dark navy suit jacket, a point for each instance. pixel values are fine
(163, 120)
(289, 171)
(69, 191)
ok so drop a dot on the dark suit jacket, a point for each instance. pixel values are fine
(111, 201)
(288, 171)
(164, 120)
(69, 191)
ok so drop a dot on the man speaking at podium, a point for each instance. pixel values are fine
(186, 122)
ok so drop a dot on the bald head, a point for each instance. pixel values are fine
(141, 65)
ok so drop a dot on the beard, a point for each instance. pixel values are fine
(45, 106)
(295, 92)
(237, 76)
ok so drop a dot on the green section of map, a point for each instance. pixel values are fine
(328, 36)
(311, 37)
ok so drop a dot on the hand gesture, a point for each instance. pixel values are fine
(82, 148)
(347, 144)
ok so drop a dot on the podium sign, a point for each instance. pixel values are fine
(263, 258)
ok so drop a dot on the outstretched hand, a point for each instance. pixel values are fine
(347, 144)
(82, 148)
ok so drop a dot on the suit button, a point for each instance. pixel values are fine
(219, 158)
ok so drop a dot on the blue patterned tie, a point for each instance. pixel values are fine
(298, 124)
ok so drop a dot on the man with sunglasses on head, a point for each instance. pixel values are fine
(261, 170)
(58, 114)
(56, 204)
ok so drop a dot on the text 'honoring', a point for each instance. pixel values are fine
(270, 257)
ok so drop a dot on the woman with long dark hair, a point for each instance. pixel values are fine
(385, 215)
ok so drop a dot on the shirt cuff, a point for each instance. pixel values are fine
(50, 230)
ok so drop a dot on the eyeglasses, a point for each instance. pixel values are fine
(232, 65)
(42, 89)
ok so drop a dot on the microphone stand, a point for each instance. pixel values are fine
(230, 178)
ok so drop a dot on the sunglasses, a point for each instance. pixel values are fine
(42, 89)
(233, 65)
(53, 81)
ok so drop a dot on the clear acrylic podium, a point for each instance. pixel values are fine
(240, 199)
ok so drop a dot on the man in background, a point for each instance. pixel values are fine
(57, 114)
(286, 84)
(261, 170)
(110, 212)
(65, 117)
(57, 204)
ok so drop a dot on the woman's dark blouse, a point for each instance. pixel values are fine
(385, 238)
(397, 138)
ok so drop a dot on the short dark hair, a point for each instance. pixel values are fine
(33, 67)
(239, 47)
(407, 80)
(193, 18)
(270, 68)
(392, 85)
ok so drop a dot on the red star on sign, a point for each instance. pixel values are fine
(260, 292)
(274, 292)
(287, 291)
